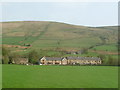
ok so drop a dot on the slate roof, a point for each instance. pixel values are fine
(83, 58)
(20, 60)
(53, 58)
(73, 58)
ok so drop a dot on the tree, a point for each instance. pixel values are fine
(112, 61)
(5, 51)
(5, 55)
(118, 63)
(103, 58)
(13, 56)
(84, 50)
(33, 57)
(5, 59)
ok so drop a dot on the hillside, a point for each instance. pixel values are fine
(51, 35)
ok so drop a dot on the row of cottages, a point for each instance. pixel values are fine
(20, 61)
(70, 61)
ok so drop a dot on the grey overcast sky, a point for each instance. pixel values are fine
(77, 13)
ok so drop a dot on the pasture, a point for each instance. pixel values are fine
(50, 35)
(111, 47)
(21, 76)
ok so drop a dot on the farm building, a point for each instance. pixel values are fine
(70, 60)
(84, 60)
(53, 60)
(75, 52)
(20, 61)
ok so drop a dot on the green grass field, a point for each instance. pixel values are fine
(111, 47)
(20, 76)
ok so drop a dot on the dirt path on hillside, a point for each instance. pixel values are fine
(17, 46)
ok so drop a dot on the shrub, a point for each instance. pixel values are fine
(33, 57)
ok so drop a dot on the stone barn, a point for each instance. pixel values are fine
(20, 61)
(84, 60)
(53, 61)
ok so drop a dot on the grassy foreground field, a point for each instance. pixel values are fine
(20, 76)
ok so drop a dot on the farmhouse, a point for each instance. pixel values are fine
(84, 60)
(70, 60)
(20, 61)
(53, 60)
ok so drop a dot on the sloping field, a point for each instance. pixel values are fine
(20, 76)
(43, 34)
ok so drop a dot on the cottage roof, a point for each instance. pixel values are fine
(83, 58)
(53, 58)
(18, 60)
